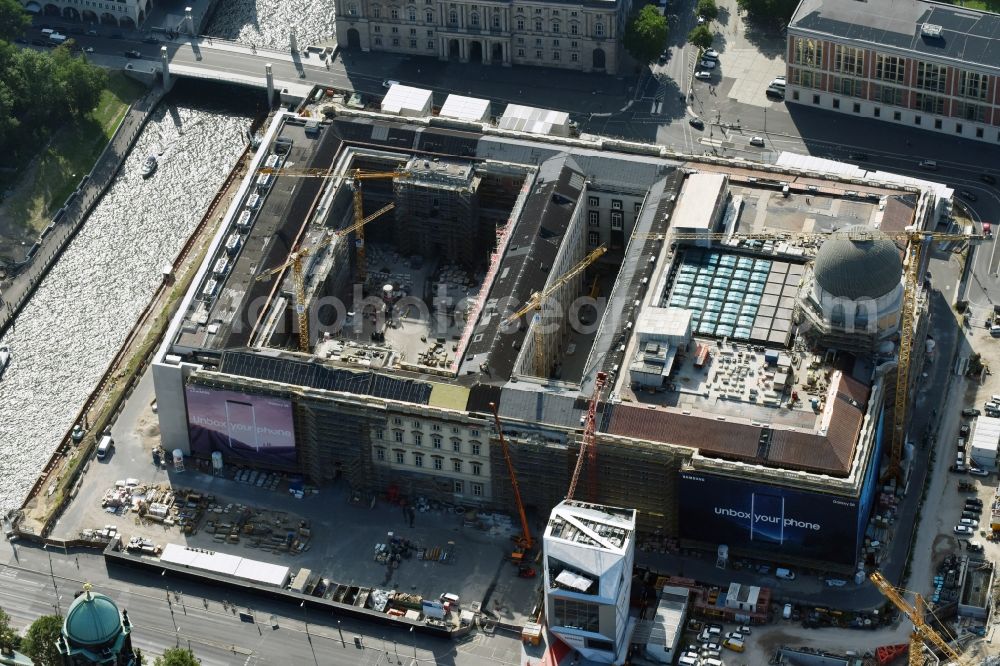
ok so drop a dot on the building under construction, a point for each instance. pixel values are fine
(354, 321)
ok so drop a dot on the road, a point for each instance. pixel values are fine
(196, 618)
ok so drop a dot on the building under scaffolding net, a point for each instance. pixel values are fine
(716, 398)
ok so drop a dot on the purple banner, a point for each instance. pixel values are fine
(255, 429)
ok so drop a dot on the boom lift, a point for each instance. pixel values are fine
(524, 542)
(298, 279)
(588, 448)
(915, 241)
(922, 632)
(537, 301)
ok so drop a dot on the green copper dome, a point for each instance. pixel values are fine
(93, 619)
(866, 266)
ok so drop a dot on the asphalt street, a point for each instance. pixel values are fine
(167, 613)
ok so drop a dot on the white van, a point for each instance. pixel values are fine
(104, 447)
(786, 574)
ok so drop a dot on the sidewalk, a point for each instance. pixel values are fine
(15, 291)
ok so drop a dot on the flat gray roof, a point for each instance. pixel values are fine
(966, 35)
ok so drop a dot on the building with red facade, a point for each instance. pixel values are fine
(921, 64)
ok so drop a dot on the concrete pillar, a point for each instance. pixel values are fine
(189, 18)
(270, 84)
(293, 39)
(165, 68)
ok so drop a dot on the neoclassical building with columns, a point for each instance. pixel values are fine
(584, 35)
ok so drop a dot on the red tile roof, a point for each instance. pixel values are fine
(829, 453)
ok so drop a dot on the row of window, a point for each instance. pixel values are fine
(893, 95)
(436, 427)
(850, 60)
(556, 55)
(962, 111)
(475, 448)
(616, 204)
(554, 27)
(437, 462)
(594, 219)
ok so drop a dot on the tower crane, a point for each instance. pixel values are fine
(922, 632)
(537, 300)
(525, 541)
(357, 176)
(295, 260)
(589, 444)
(915, 240)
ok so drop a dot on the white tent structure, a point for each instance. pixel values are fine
(588, 554)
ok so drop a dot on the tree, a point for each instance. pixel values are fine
(177, 657)
(701, 37)
(708, 9)
(8, 637)
(769, 11)
(40, 641)
(646, 34)
(13, 19)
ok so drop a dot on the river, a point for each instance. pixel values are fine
(266, 23)
(64, 339)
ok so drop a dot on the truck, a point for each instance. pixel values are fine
(57, 38)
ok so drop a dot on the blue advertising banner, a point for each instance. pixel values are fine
(743, 514)
(255, 429)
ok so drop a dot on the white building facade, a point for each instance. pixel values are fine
(583, 36)
(588, 551)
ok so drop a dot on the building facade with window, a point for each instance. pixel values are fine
(584, 35)
(916, 63)
(122, 13)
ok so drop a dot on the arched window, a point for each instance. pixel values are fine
(394, 12)
(474, 19)
(599, 29)
(376, 11)
(452, 17)
(496, 19)
(412, 14)
(555, 27)
(430, 17)
(574, 28)
(352, 9)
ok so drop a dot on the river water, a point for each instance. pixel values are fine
(266, 23)
(71, 329)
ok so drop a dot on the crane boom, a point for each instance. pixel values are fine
(920, 627)
(298, 280)
(538, 298)
(588, 447)
(526, 542)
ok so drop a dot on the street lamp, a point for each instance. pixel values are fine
(341, 631)
(414, 637)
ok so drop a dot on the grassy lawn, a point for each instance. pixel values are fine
(68, 157)
(983, 5)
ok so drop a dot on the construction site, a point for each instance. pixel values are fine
(387, 295)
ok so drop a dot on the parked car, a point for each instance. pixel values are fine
(697, 123)
(701, 20)
(967, 195)
(702, 75)
(712, 647)
(988, 178)
(133, 54)
(89, 49)
(970, 412)
(964, 430)
(964, 530)
(974, 547)
(786, 574)
(774, 91)
(974, 501)
(735, 635)
(969, 522)
(388, 83)
(978, 471)
(930, 165)
(757, 141)
(970, 514)
(744, 629)
(711, 53)
(708, 64)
